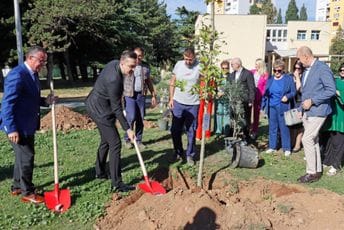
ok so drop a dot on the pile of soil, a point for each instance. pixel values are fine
(66, 120)
(259, 204)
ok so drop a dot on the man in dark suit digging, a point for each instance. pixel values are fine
(104, 105)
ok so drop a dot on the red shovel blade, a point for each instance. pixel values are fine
(57, 200)
(152, 187)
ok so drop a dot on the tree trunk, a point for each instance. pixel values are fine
(95, 73)
(50, 69)
(83, 72)
(69, 69)
(61, 67)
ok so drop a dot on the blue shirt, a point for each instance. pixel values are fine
(276, 92)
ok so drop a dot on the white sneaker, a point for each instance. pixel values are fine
(332, 171)
(270, 151)
(287, 153)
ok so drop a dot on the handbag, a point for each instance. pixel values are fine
(291, 117)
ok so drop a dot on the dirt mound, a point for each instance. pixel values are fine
(67, 119)
(258, 204)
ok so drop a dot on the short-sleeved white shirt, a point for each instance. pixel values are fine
(191, 75)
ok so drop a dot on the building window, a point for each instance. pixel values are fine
(301, 35)
(273, 35)
(285, 33)
(335, 24)
(279, 35)
(315, 35)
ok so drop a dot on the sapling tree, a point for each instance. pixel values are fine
(208, 47)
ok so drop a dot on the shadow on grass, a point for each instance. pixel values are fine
(162, 138)
(6, 172)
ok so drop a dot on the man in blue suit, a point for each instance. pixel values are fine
(20, 118)
(318, 87)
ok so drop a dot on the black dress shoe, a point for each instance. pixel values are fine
(309, 178)
(123, 188)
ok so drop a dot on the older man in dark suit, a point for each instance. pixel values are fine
(104, 105)
(20, 118)
(318, 87)
(245, 78)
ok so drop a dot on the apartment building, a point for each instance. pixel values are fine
(232, 7)
(335, 15)
(321, 10)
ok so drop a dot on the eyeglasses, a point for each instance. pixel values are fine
(278, 70)
(41, 61)
(225, 68)
(342, 70)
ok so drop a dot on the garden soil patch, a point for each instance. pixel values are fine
(66, 120)
(258, 204)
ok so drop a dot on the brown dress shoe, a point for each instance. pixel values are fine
(16, 192)
(33, 198)
(309, 178)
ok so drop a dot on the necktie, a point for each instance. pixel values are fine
(36, 80)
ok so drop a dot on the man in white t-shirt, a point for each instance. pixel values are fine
(184, 105)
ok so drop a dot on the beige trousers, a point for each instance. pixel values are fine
(310, 141)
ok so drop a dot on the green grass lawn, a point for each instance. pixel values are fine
(77, 150)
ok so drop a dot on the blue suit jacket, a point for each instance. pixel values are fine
(20, 107)
(320, 87)
(288, 91)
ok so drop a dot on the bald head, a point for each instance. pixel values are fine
(305, 55)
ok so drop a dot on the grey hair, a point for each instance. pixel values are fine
(35, 49)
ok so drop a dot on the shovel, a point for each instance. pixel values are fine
(151, 187)
(56, 200)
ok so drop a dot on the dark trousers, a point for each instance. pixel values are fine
(110, 144)
(135, 111)
(277, 122)
(334, 152)
(24, 162)
(184, 116)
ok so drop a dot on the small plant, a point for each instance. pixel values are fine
(284, 208)
(234, 187)
(233, 99)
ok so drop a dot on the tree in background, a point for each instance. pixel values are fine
(185, 27)
(279, 17)
(303, 13)
(337, 48)
(151, 28)
(254, 9)
(91, 33)
(267, 8)
(8, 47)
(292, 12)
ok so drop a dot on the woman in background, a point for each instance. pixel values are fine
(334, 151)
(261, 76)
(296, 131)
(278, 98)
